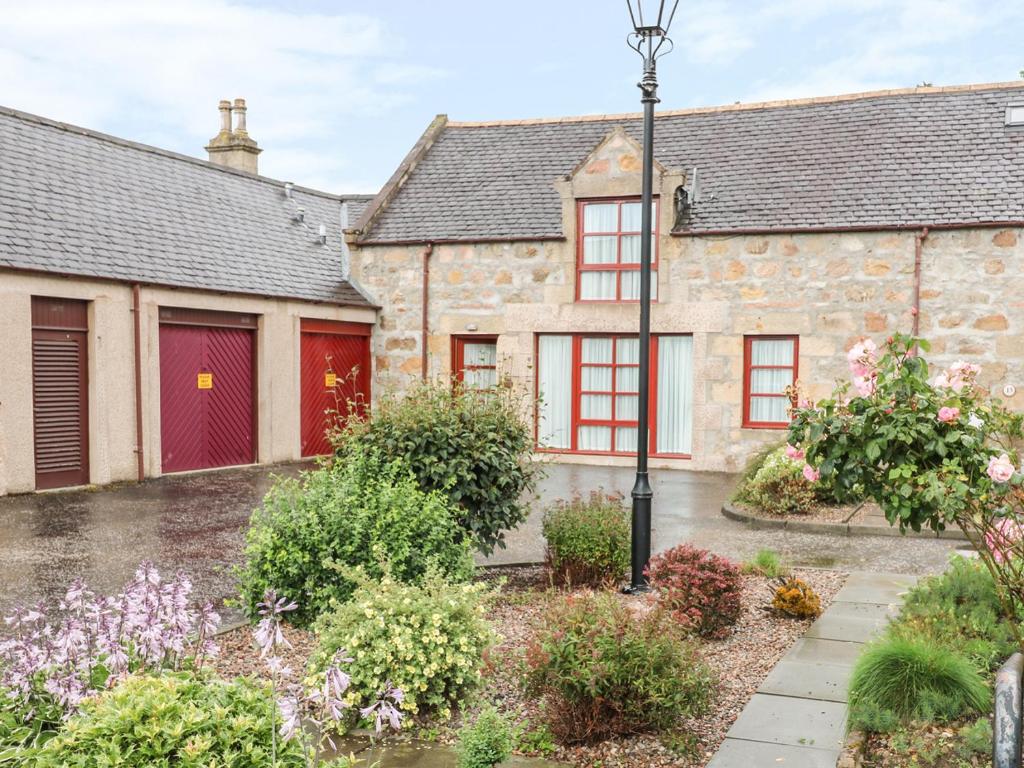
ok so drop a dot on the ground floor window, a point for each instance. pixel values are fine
(475, 361)
(588, 388)
(769, 368)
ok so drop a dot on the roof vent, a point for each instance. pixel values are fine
(1015, 114)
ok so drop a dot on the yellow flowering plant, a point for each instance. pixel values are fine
(427, 639)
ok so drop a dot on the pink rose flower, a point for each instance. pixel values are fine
(865, 385)
(811, 474)
(1000, 468)
(947, 414)
(1000, 542)
(861, 358)
(793, 452)
(941, 381)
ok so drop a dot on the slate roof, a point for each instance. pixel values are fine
(77, 202)
(925, 156)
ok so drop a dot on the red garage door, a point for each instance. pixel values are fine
(60, 407)
(207, 414)
(335, 374)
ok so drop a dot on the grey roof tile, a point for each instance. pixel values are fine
(78, 202)
(885, 160)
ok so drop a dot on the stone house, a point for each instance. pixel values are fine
(785, 232)
(160, 313)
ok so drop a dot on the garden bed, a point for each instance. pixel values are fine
(852, 514)
(741, 662)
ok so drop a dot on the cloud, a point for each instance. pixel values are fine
(159, 69)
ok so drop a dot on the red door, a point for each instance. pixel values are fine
(60, 405)
(207, 416)
(335, 378)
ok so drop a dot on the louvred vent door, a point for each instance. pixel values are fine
(60, 410)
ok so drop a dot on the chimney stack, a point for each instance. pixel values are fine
(232, 147)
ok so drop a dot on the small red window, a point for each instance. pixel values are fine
(608, 258)
(769, 367)
(475, 361)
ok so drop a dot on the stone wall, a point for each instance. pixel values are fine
(829, 288)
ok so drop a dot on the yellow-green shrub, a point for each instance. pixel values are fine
(428, 640)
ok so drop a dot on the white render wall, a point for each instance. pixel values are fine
(111, 371)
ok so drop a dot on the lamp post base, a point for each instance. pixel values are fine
(640, 538)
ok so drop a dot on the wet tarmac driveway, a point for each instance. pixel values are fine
(196, 522)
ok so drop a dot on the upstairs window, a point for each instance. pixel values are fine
(608, 258)
(769, 367)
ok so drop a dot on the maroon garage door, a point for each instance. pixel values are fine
(335, 378)
(60, 406)
(207, 380)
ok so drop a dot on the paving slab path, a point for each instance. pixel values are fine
(797, 718)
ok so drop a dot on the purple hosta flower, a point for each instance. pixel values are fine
(385, 709)
(291, 716)
(148, 626)
(268, 632)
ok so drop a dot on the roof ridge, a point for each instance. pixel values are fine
(741, 107)
(30, 117)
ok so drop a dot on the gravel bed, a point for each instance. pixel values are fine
(741, 662)
(927, 746)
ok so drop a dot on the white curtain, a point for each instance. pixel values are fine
(554, 382)
(596, 286)
(600, 217)
(631, 285)
(595, 438)
(675, 394)
(483, 354)
(770, 381)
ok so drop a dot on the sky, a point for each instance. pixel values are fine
(338, 91)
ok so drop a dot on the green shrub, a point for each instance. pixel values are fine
(601, 670)
(976, 738)
(537, 740)
(913, 680)
(778, 487)
(362, 511)
(175, 719)
(767, 562)
(473, 446)
(588, 540)
(959, 609)
(428, 640)
(486, 741)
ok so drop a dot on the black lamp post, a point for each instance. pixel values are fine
(650, 33)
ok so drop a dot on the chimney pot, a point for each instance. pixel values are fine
(239, 112)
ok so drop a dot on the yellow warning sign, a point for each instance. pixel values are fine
(330, 379)
(204, 381)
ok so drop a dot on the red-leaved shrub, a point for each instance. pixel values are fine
(701, 589)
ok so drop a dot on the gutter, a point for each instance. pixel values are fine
(918, 247)
(137, 322)
(1008, 224)
(428, 249)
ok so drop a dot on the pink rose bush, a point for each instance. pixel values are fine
(794, 453)
(1001, 539)
(811, 474)
(931, 449)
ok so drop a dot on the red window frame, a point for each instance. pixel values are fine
(459, 355)
(618, 266)
(748, 368)
(577, 392)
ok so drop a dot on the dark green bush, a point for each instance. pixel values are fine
(777, 486)
(898, 681)
(588, 540)
(959, 609)
(473, 446)
(486, 741)
(601, 670)
(361, 511)
(175, 719)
